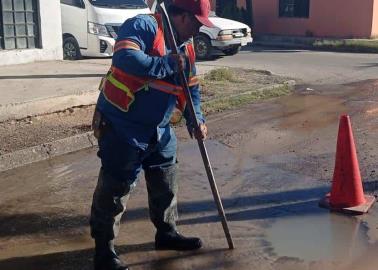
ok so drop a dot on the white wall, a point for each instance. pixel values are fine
(51, 38)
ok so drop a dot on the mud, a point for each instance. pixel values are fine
(273, 161)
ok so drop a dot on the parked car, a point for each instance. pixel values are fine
(227, 36)
(90, 26)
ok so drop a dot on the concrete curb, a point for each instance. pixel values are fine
(68, 145)
(46, 151)
(45, 106)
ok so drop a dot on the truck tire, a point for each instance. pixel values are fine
(232, 51)
(71, 49)
(202, 47)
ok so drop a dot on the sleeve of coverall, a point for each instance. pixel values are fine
(142, 31)
(196, 98)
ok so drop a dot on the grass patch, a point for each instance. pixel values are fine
(228, 88)
(225, 88)
(351, 45)
(225, 103)
(221, 75)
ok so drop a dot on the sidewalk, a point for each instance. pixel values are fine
(42, 88)
(321, 44)
(46, 87)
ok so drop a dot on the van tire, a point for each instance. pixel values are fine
(71, 49)
(202, 47)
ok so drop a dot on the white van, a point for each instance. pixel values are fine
(90, 26)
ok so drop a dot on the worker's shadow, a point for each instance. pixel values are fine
(83, 259)
(78, 259)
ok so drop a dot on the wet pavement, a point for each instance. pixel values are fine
(273, 162)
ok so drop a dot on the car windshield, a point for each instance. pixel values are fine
(119, 3)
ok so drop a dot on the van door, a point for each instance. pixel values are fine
(74, 20)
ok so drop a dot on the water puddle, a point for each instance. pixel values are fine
(323, 236)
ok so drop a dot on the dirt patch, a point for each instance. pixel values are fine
(222, 89)
(32, 131)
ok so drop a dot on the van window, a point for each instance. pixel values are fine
(125, 4)
(74, 3)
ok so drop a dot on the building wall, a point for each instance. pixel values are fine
(213, 4)
(51, 38)
(241, 3)
(374, 31)
(328, 18)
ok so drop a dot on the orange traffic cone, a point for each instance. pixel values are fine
(347, 193)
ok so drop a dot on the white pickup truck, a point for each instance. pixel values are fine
(227, 36)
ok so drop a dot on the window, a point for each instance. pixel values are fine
(120, 4)
(294, 8)
(19, 24)
(74, 3)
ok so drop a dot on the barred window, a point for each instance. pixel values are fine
(294, 8)
(19, 26)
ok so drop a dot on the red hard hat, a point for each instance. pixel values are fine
(199, 8)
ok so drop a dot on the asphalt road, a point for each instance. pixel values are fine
(273, 162)
(312, 67)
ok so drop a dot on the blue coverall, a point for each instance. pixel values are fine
(139, 138)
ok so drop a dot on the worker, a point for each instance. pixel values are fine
(141, 96)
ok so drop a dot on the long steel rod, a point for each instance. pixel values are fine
(201, 143)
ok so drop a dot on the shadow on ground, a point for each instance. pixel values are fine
(82, 259)
(31, 223)
(287, 203)
(279, 204)
(78, 259)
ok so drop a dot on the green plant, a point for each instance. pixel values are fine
(220, 74)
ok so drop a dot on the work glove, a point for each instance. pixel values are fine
(200, 133)
(179, 61)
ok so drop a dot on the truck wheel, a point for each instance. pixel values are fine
(202, 47)
(232, 51)
(71, 49)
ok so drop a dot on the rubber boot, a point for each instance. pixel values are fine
(174, 241)
(106, 258)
